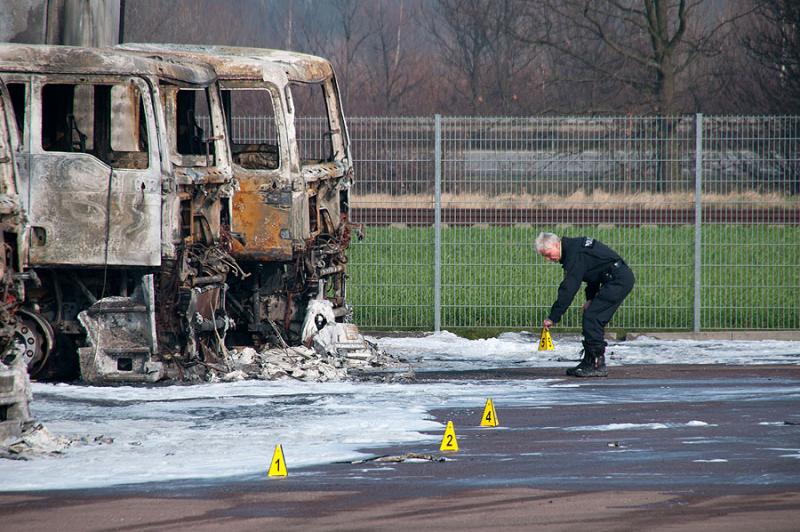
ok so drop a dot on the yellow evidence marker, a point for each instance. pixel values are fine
(278, 466)
(489, 418)
(546, 341)
(449, 442)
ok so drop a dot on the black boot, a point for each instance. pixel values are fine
(584, 364)
(596, 366)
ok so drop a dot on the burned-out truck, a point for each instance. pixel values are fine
(14, 384)
(150, 233)
(123, 195)
(12, 219)
(291, 161)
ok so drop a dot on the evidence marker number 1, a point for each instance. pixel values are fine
(277, 467)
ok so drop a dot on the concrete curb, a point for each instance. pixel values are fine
(718, 335)
(613, 336)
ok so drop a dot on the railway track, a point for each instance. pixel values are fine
(421, 217)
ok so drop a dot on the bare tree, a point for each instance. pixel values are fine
(773, 41)
(394, 61)
(514, 56)
(511, 63)
(493, 69)
(646, 44)
(348, 48)
(191, 21)
(460, 28)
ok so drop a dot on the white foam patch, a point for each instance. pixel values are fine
(773, 423)
(638, 426)
(629, 451)
(795, 453)
(619, 426)
(646, 350)
(228, 429)
(711, 461)
(445, 350)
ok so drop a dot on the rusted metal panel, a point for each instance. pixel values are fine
(261, 215)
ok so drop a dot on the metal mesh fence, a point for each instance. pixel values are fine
(506, 179)
(708, 218)
(751, 223)
(392, 269)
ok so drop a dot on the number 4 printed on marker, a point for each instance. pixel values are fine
(489, 415)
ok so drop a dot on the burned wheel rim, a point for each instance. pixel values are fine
(32, 341)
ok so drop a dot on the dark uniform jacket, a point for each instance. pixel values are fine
(583, 259)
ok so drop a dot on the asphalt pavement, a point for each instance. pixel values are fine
(651, 447)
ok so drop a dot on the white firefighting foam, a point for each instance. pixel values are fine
(214, 431)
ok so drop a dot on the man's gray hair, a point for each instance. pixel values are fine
(546, 240)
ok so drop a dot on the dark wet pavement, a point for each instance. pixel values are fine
(650, 448)
(651, 427)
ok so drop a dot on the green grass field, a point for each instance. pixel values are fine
(493, 279)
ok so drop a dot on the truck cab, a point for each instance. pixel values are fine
(124, 193)
(291, 160)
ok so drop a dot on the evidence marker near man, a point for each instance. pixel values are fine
(546, 341)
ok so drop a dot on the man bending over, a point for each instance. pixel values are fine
(608, 282)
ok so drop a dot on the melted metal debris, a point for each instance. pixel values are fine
(300, 363)
(36, 441)
(401, 458)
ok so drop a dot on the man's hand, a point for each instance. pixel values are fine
(586, 305)
(547, 324)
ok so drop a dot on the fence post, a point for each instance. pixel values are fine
(437, 226)
(698, 215)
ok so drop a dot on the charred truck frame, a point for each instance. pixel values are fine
(14, 383)
(290, 226)
(151, 238)
(124, 194)
(12, 220)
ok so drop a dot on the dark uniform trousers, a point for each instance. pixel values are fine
(616, 285)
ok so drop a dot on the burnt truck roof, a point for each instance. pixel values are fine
(227, 67)
(232, 62)
(49, 59)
